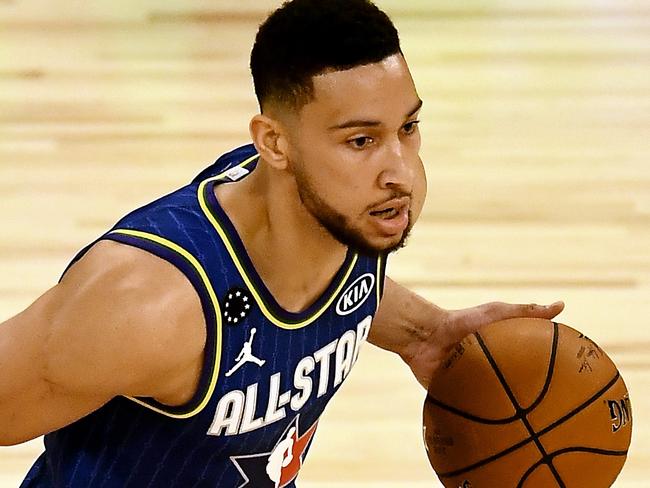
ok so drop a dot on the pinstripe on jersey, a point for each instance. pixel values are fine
(255, 411)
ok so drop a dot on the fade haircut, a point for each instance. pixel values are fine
(305, 38)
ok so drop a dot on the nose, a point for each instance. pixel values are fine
(397, 171)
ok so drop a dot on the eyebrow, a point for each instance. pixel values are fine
(371, 123)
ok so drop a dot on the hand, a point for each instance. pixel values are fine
(425, 356)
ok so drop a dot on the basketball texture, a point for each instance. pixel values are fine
(527, 403)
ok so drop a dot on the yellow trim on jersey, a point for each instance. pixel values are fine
(379, 280)
(260, 302)
(215, 303)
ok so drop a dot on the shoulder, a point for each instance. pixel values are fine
(124, 317)
(126, 279)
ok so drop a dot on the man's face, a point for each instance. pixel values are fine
(354, 154)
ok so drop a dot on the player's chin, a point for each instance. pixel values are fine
(386, 244)
(383, 239)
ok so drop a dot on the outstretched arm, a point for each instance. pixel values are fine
(422, 333)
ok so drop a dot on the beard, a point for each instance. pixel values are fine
(337, 224)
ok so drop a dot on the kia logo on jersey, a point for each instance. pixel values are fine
(355, 294)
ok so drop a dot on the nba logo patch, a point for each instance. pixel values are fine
(279, 467)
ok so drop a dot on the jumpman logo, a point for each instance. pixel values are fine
(246, 355)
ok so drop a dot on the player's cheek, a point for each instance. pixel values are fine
(419, 193)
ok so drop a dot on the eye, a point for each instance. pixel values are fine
(361, 142)
(410, 127)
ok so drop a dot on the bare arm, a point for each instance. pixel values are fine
(422, 333)
(113, 326)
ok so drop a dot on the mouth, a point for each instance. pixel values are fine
(391, 209)
(391, 218)
(389, 213)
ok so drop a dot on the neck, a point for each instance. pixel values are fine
(293, 254)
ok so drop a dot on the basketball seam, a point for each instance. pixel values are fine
(542, 432)
(537, 401)
(488, 460)
(469, 416)
(549, 372)
(584, 405)
(554, 454)
(521, 413)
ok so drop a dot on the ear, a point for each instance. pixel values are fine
(270, 140)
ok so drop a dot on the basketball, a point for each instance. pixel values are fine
(527, 403)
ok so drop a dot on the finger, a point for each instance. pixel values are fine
(533, 310)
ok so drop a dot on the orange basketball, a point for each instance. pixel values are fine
(527, 403)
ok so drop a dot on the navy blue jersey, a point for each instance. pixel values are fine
(267, 375)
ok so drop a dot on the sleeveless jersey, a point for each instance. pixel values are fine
(267, 374)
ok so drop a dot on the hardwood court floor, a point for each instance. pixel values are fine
(535, 134)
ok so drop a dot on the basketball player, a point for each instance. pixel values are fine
(122, 365)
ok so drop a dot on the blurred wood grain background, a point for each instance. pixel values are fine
(536, 136)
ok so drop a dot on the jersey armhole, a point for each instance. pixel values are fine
(185, 262)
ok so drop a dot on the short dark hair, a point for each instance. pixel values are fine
(304, 38)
